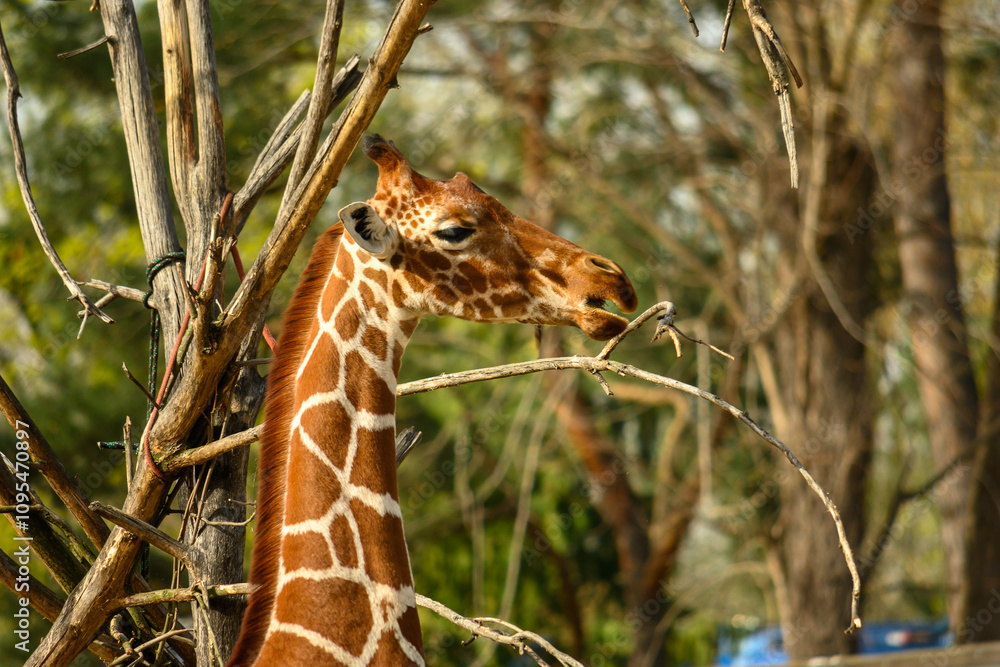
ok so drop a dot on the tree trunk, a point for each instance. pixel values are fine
(220, 497)
(982, 576)
(939, 335)
(824, 402)
(933, 301)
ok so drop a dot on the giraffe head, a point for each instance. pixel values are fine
(448, 248)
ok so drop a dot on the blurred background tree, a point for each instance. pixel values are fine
(638, 528)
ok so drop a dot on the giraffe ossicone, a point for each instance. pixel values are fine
(330, 560)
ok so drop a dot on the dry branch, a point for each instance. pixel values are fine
(151, 643)
(281, 148)
(47, 602)
(148, 533)
(188, 594)
(294, 219)
(66, 487)
(206, 453)
(113, 291)
(406, 440)
(521, 639)
(599, 365)
(779, 66)
(322, 94)
(21, 167)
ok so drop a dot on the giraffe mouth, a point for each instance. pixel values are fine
(597, 322)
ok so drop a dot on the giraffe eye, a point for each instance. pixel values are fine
(454, 234)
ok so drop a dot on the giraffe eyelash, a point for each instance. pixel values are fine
(454, 234)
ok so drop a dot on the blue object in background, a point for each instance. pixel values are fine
(765, 647)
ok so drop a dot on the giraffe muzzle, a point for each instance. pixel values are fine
(607, 282)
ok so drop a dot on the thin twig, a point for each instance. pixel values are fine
(151, 643)
(779, 66)
(726, 24)
(201, 600)
(265, 331)
(82, 49)
(142, 388)
(245, 522)
(690, 17)
(666, 307)
(20, 166)
(212, 450)
(666, 325)
(119, 291)
(406, 440)
(519, 640)
(254, 362)
(127, 442)
(319, 104)
(280, 149)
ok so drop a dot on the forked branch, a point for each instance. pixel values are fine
(520, 639)
(599, 364)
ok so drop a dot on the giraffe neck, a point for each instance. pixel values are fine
(343, 587)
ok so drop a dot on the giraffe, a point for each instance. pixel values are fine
(330, 562)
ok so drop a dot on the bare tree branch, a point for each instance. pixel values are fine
(779, 66)
(66, 487)
(188, 594)
(280, 149)
(319, 105)
(406, 440)
(151, 643)
(48, 603)
(116, 291)
(20, 166)
(520, 640)
(690, 18)
(148, 533)
(596, 364)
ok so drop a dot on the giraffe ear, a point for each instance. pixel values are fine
(369, 230)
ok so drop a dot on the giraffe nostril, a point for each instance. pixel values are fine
(602, 264)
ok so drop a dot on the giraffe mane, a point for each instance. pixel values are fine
(273, 458)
